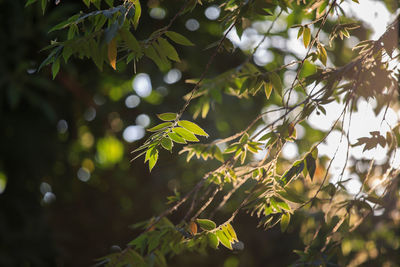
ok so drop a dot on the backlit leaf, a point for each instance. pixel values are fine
(192, 127)
(138, 12)
(306, 36)
(153, 160)
(160, 126)
(285, 219)
(223, 239)
(167, 116)
(166, 143)
(176, 138)
(185, 134)
(231, 232)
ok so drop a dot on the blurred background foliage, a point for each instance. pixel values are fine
(68, 191)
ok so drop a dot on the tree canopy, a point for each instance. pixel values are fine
(268, 117)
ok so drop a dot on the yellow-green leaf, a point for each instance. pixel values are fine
(301, 30)
(176, 138)
(185, 134)
(192, 127)
(169, 116)
(166, 143)
(322, 54)
(306, 36)
(231, 232)
(223, 239)
(267, 89)
(153, 159)
(160, 126)
(285, 219)
(138, 12)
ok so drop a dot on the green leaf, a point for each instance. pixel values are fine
(168, 49)
(160, 127)
(55, 68)
(151, 53)
(135, 257)
(192, 127)
(306, 36)
(213, 240)
(276, 82)
(30, 2)
(51, 57)
(206, 225)
(163, 56)
(178, 38)
(130, 40)
(285, 219)
(86, 2)
(176, 138)
(44, 3)
(167, 143)
(167, 116)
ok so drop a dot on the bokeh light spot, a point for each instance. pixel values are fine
(212, 12)
(90, 114)
(62, 126)
(83, 174)
(109, 151)
(142, 84)
(132, 101)
(192, 25)
(143, 120)
(158, 13)
(133, 133)
(173, 76)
